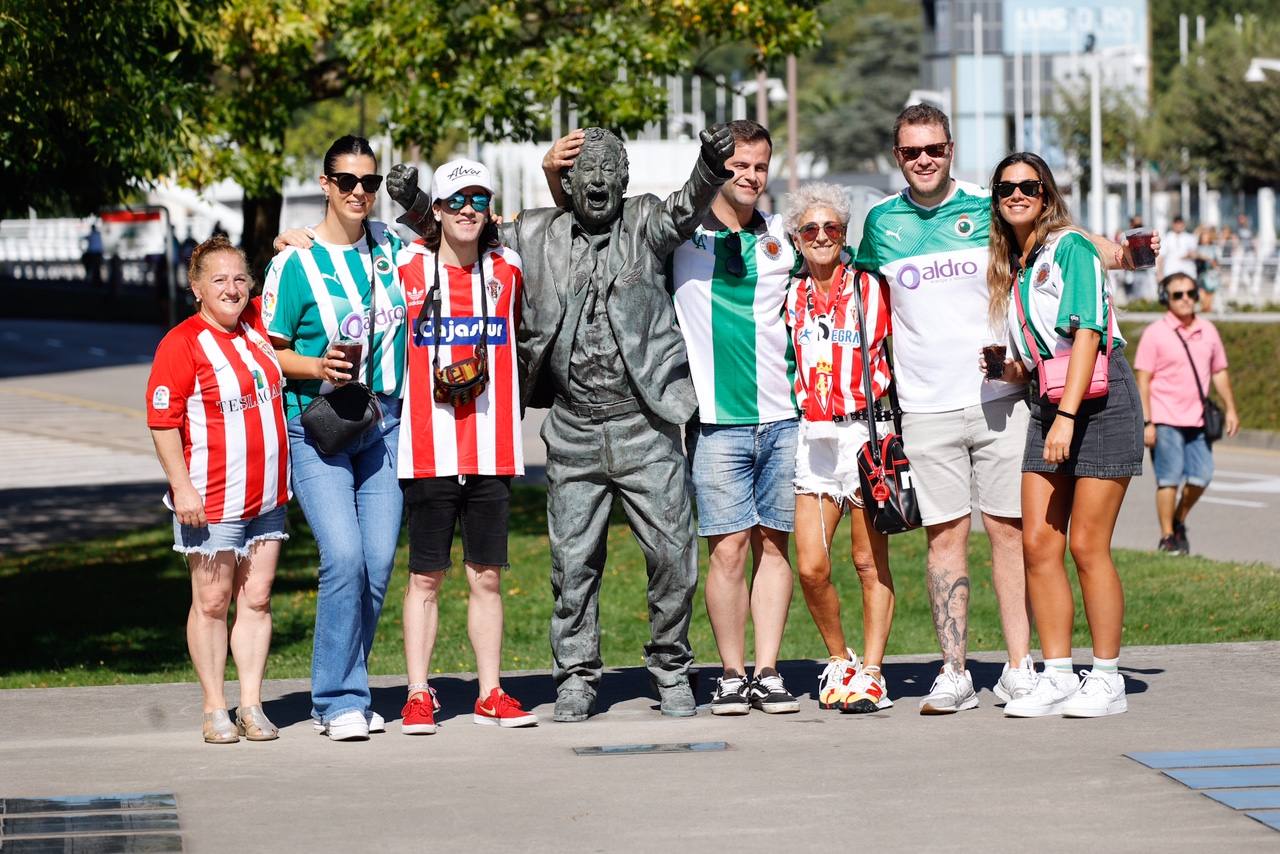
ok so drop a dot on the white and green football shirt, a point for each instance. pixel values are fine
(935, 260)
(734, 326)
(1063, 289)
(314, 296)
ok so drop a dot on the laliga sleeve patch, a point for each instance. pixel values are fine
(269, 303)
(160, 398)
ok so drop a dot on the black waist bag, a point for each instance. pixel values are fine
(887, 488)
(334, 420)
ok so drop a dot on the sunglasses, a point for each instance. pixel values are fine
(912, 152)
(734, 264)
(347, 182)
(833, 230)
(1030, 189)
(479, 201)
(1194, 293)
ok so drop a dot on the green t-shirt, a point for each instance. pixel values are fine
(315, 296)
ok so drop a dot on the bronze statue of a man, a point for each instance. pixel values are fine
(598, 345)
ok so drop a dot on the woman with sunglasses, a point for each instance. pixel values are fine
(344, 289)
(461, 431)
(829, 388)
(1049, 281)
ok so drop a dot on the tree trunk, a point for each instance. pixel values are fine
(261, 225)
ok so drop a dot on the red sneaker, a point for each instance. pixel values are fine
(500, 709)
(418, 715)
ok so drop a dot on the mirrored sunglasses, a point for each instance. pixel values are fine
(479, 201)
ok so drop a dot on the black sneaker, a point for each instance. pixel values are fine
(730, 697)
(1169, 545)
(769, 695)
(1180, 536)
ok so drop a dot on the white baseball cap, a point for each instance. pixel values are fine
(459, 174)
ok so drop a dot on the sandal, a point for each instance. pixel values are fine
(218, 728)
(254, 725)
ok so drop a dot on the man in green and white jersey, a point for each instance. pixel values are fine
(730, 285)
(930, 242)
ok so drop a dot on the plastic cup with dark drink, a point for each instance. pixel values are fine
(994, 356)
(350, 351)
(1139, 240)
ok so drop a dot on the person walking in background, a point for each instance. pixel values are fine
(1179, 250)
(345, 286)
(1208, 272)
(92, 257)
(1048, 280)
(822, 313)
(1178, 356)
(214, 409)
(460, 443)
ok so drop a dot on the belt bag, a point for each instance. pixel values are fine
(462, 382)
(334, 420)
(1052, 373)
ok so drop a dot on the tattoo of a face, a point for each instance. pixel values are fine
(949, 600)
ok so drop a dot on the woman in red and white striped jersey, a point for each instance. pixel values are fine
(460, 441)
(214, 409)
(822, 314)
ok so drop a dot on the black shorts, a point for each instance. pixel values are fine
(482, 502)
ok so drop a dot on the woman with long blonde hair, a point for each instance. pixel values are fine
(1047, 278)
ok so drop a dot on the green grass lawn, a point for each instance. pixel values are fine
(113, 611)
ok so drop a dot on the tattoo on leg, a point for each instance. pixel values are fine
(949, 600)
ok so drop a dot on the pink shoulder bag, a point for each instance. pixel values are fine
(1053, 372)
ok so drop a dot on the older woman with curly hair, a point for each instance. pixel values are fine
(822, 312)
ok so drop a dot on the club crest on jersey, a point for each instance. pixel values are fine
(964, 225)
(1042, 274)
(383, 266)
(822, 384)
(160, 398)
(772, 247)
(495, 288)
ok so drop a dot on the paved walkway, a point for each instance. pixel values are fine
(892, 781)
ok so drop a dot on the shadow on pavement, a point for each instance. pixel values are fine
(42, 517)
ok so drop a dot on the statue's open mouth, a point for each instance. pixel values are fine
(597, 198)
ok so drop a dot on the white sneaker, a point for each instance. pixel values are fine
(833, 684)
(867, 693)
(376, 722)
(1100, 694)
(348, 726)
(1052, 690)
(951, 692)
(1017, 681)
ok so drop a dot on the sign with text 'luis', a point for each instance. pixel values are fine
(1060, 26)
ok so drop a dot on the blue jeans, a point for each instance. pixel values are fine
(743, 476)
(353, 502)
(1181, 454)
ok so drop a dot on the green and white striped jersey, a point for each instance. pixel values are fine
(936, 262)
(314, 296)
(734, 327)
(1063, 289)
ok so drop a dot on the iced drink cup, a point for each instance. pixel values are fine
(1140, 250)
(350, 351)
(994, 355)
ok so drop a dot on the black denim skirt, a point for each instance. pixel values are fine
(1107, 441)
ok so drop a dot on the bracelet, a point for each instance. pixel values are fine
(1070, 416)
(1146, 423)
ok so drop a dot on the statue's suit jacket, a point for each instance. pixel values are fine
(637, 300)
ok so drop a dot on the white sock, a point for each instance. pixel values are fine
(1063, 665)
(1107, 665)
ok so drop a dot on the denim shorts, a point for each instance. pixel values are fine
(237, 537)
(743, 476)
(1107, 440)
(1181, 454)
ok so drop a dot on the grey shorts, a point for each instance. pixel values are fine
(1107, 441)
(952, 451)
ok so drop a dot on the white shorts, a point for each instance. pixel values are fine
(827, 459)
(951, 451)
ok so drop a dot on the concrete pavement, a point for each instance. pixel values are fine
(892, 781)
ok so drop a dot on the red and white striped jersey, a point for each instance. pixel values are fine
(824, 333)
(483, 436)
(221, 390)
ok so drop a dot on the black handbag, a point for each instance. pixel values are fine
(1215, 423)
(336, 419)
(888, 492)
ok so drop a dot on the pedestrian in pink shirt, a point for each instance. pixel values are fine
(1177, 357)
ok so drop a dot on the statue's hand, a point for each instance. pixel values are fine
(717, 148)
(402, 185)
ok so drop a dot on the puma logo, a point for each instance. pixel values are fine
(895, 235)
